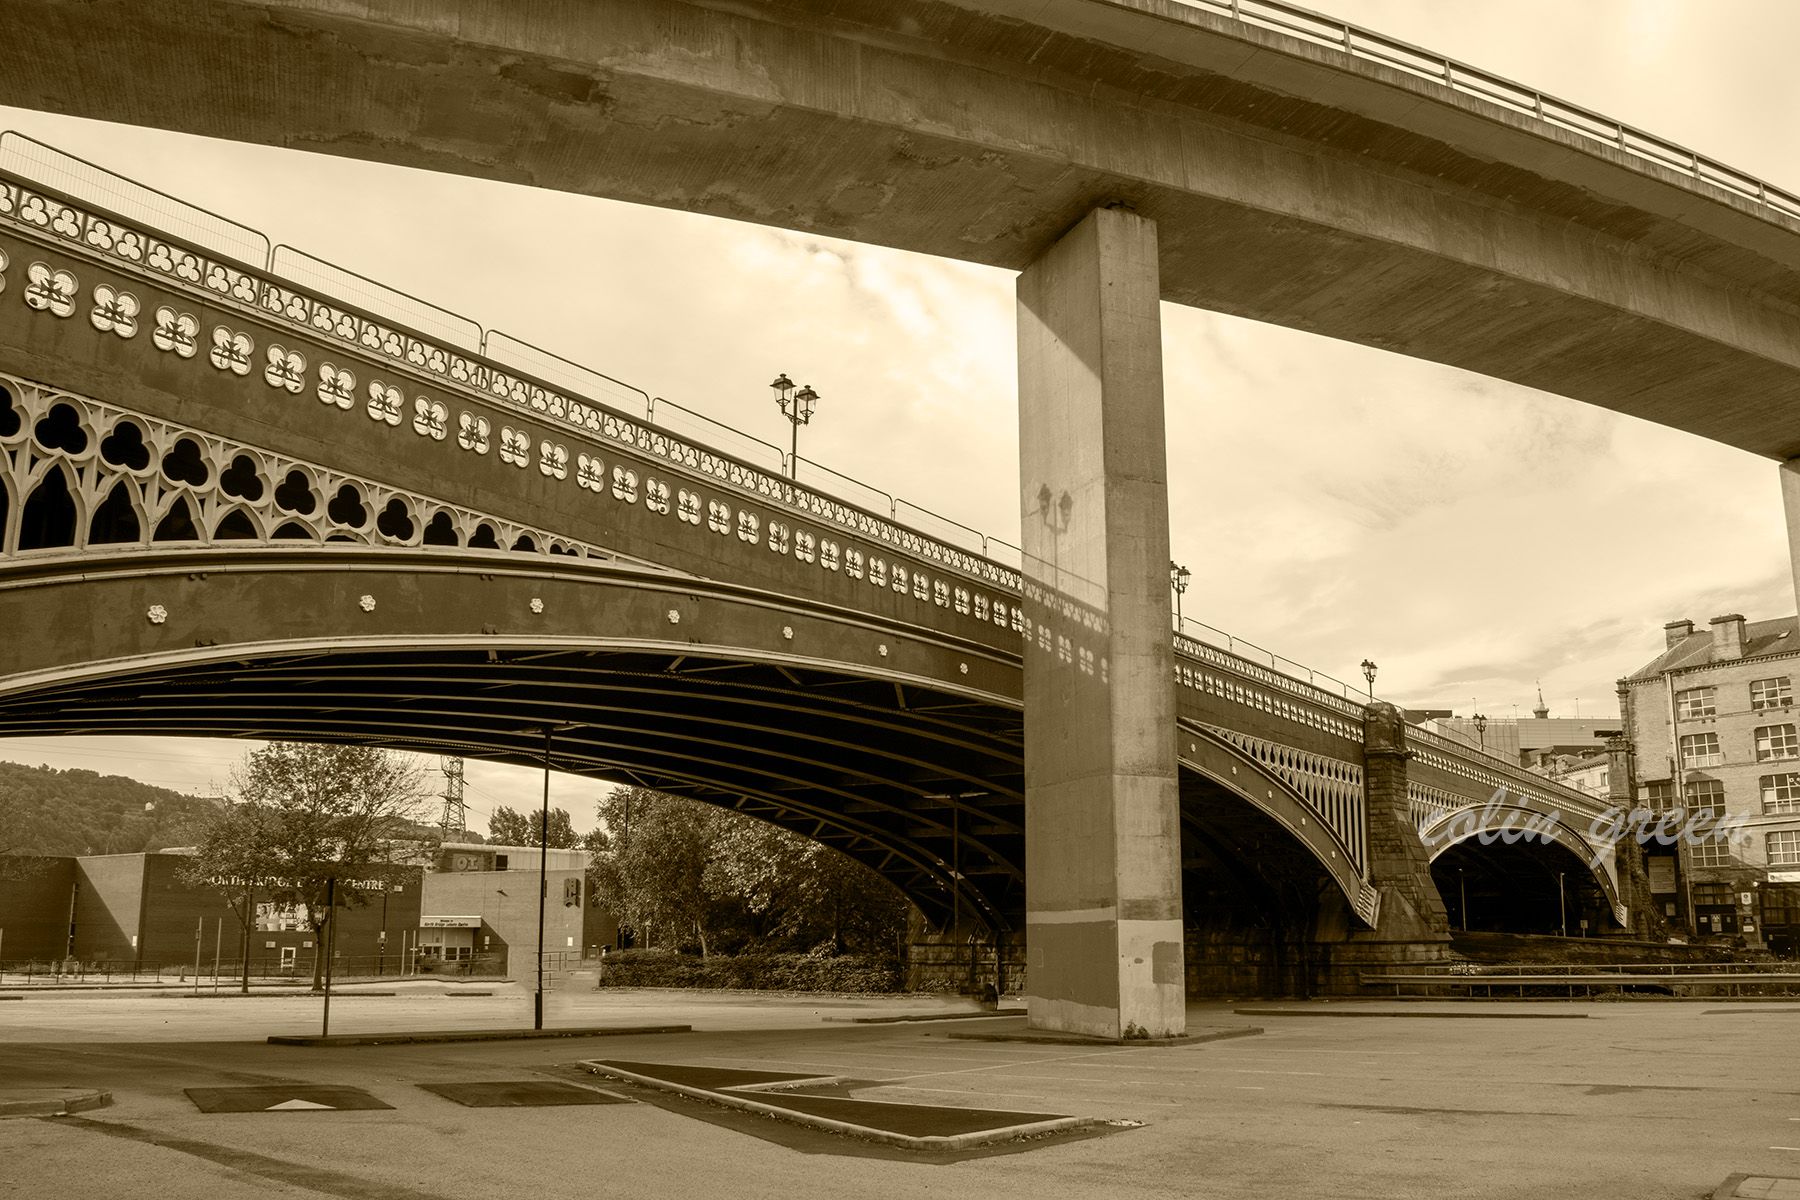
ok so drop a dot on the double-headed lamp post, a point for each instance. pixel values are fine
(797, 407)
(1481, 729)
(1178, 579)
(1368, 670)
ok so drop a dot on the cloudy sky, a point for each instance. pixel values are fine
(1334, 502)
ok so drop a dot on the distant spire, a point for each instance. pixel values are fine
(1542, 710)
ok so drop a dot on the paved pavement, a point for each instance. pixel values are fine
(1638, 1100)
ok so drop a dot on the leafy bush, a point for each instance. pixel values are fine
(751, 972)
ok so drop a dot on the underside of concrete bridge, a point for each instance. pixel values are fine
(1291, 182)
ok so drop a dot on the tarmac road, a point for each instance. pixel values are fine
(1637, 1100)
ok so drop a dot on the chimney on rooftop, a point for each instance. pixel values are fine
(1728, 637)
(1675, 631)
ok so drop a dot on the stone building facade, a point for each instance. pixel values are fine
(1714, 728)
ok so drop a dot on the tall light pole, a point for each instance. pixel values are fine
(1178, 579)
(537, 998)
(1481, 730)
(1368, 669)
(797, 407)
(1562, 903)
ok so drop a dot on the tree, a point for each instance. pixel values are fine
(508, 828)
(313, 828)
(676, 868)
(654, 870)
(235, 851)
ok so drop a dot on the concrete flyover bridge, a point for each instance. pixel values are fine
(234, 506)
(1241, 155)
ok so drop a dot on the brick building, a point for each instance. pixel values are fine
(1713, 727)
(480, 906)
(138, 912)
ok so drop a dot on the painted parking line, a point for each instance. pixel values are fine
(283, 1097)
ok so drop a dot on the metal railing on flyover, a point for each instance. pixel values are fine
(239, 263)
(1358, 42)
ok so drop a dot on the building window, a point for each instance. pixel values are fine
(1712, 895)
(1704, 794)
(1776, 741)
(1702, 749)
(1709, 853)
(1781, 793)
(1659, 796)
(1770, 693)
(1784, 848)
(1696, 702)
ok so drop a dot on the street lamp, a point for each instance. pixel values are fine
(537, 998)
(1178, 579)
(1481, 729)
(1368, 670)
(797, 407)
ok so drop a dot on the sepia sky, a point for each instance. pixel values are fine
(1333, 502)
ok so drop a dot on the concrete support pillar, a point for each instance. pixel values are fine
(1790, 504)
(1102, 829)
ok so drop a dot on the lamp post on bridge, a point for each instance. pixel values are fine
(1481, 730)
(1368, 670)
(1178, 579)
(797, 407)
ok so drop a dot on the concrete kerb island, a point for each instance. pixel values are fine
(50, 1101)
(744, 1096)
(1053, 1037)
(410, 1037)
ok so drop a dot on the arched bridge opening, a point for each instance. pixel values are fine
(1504, 879)
(647, 678)
(1266, 884)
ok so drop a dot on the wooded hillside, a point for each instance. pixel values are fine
(46, 811)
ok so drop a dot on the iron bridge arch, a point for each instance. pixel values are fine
(1508, 823)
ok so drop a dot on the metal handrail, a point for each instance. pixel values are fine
(1511, 772)
(1285, 666)
(398, 312)
(1354, 41)
(209, 233)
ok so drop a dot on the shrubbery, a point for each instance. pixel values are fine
(754, 972)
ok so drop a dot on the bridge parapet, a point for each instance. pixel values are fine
(1554, 116)
(1447, 775)
(444, 360)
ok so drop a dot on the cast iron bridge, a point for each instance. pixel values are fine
(236, 503)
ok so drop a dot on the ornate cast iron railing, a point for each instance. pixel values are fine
(453, 353)
(1357, 42)
(1491, 774)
